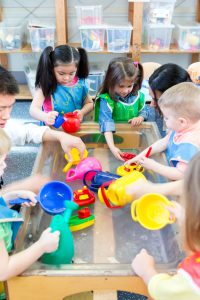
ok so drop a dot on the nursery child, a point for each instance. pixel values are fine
(119, 99)
(10, 221)
(162, 79)
(60, 84)
(180, 106)
(184, 285)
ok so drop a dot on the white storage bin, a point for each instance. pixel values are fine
(41, 36)
(159, 12)
(188, 37)
(11, 37)
(89, 15)
(92, 37)
(158, 36)
(30, 73)
(118, 38)
(94, 81)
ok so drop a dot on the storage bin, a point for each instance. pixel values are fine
(41, 36)
(188, 37)
(92, 37)
(30, 73)
(159, 12)
(158, 36)
(11, 37)
(118, 38)
(89, 15)
(94, 81)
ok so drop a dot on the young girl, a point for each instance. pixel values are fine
(119, 99)
(10, 221)
(185, 284)
(60, 84)
(162, 79)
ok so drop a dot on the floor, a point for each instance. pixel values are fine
(19, 165)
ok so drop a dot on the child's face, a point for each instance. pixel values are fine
(171, 119)
(65, 73)
(124, 88)
(6, 105)
(2, 164)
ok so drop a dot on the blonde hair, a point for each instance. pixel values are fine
(5, 142)
(192, 204)
(183, 99)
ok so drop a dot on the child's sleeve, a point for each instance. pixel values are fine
(106, 121)
(164, 287)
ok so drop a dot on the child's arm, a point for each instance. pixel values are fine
(116, 151)
(158, 147)
(144, 266)
(21, 194)
(172, 173)
(87, 107)
(15, 264)
(141, 187)
(36, 109)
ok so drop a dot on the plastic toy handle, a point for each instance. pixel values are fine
(67, 167)
(104, 196)
(85, 178)
(71, 175)
(18, 201)
(133, 210)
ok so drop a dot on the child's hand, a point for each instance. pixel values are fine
(133, 160)
(176, 211)
(144, 266)
(139, 188)
(27, 195)
(79, 113)
(117, 153)
(50, 117)
(49, 240)
(136, 121)
(147, 163)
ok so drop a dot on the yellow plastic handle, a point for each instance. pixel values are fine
(133, 210)
(67, 167)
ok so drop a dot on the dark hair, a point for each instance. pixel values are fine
(167, 76)
(119, 69)
(8, 84)
(61, 55)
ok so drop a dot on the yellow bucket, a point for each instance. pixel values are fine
(75, 158)
(150, 211)
(116, 190)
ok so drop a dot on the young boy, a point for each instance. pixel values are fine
(26, 133)
(180, 106)
(10, 221)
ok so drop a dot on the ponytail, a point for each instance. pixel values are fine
(45, 78)
(83, 65)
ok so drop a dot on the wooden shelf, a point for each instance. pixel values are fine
(25, 49)
(173, 50)
(24, 93)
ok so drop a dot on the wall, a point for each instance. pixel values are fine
(114, 11)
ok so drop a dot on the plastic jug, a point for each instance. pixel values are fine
(71, 122)
(116, 190)
(98, 179)
(89, 163)
(65, 251)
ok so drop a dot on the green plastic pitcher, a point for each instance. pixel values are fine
(65, 252)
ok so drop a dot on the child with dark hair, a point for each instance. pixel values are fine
(162, 79)
(119, 99)
(60, 84)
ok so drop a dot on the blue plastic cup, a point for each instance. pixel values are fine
(58, 121)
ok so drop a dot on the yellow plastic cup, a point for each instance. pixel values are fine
(75, 158)
(151, 212)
